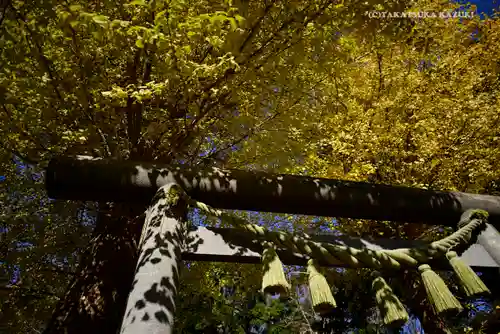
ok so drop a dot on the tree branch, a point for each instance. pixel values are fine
(26, 135)
(44, 61)
(4, 11)
(38, 294)
(133, 110)
(252, 131)
(87, 109)
(255, 26)
(20, 155)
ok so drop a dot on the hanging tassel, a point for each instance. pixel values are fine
(392, 310)
(321, 295)
(274, 280)
(471, 283)
(439, 295)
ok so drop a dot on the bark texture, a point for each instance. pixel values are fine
(96, 297)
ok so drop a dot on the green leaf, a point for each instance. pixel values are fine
(137, 3)
(75, 8)
(234, 24)
(100, 19)
(139, 43)
(239, 18)
(121, 23)
(160, 17)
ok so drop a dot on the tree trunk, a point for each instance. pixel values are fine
(95, 300)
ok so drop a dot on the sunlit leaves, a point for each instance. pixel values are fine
(142, 3)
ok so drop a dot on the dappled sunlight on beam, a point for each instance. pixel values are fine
(128, 181)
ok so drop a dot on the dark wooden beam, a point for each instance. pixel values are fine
(229, 245)
(85, 178)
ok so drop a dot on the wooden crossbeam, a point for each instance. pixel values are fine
(84, 178)
(230, 245)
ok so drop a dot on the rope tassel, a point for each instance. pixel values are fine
(321, 295)
(471, 283)
(438, 293)
(392, 310)
(274, 280)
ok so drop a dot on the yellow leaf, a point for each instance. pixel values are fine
(139, 43)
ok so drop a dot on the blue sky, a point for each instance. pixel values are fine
(484, 6)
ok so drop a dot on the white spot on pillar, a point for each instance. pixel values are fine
(217, 184)
(370, 197)
(325, 191)
(163, 180)
(86, 157)
(141, 177)
(280, 189)
(205, 184)
(232, 186)
(187, 185)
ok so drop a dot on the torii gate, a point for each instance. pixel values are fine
(165, 239)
